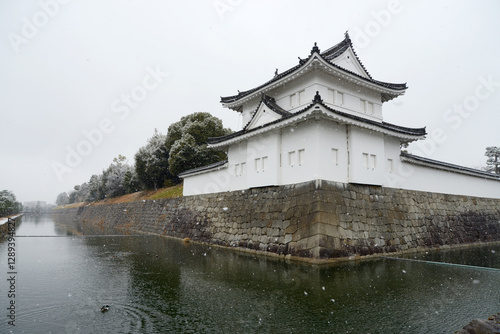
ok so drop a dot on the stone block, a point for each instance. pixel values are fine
(291, 229)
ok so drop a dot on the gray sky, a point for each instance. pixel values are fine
(97, 77)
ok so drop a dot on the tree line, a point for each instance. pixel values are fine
(157, 163)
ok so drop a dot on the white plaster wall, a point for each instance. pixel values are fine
(302, 90)
(332, 152)
(246, 116)
(348, 61)
(392, 150)
(207, 183)
(263, 160)
(238, 166)
(299, 152)
(414, 177)
(362, 142)
(249, 109)
(353, 96)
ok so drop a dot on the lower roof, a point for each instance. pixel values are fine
(417, 160)
(203, 169)
(317, 103)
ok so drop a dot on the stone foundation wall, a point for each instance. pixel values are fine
(315, 219)
(4, 228)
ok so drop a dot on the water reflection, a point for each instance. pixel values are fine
(159, 285)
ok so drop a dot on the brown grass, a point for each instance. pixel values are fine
(167, 192)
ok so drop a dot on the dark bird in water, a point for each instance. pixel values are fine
(105, 308)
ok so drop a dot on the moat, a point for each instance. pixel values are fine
(160, 285)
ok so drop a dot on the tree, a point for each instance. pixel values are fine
(83, 192)
(96, 188)
(114, 177)
(62, 199)
(131, 182)
(151, 162)
(493, 162)
(187, 142)
(72, 197)
(8, 203)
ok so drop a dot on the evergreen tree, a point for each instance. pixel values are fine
(114, 177)
(493, 162)
(9, 204)
(62, 199)
(187, 142)
(151, 163)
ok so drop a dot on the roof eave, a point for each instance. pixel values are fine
(326, 112)
(204, 169)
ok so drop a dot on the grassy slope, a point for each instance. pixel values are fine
(169, 192)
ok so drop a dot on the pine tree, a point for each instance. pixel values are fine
(493, 162)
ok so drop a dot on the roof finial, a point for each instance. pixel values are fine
(315, 48)
(276, 72)
(317, 98)
(347, 38)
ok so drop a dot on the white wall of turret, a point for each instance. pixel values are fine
(337, 93)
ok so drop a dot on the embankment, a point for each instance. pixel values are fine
(319, 220)
(4, 224)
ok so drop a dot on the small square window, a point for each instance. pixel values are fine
(373, 161)
(257, 165)
(291, 158)
(264, 163)
(302, 153)
(366, 161)
(335, 156)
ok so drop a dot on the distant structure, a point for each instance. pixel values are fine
(322, 120)
(36, 207)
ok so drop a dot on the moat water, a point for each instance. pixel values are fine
(159, 285)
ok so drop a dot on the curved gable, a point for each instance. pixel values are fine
(348, 60)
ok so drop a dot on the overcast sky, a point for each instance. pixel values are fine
(97, 77)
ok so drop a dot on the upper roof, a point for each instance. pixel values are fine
(317, 106)
(328, 58)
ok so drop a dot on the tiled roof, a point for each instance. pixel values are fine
(329, 55)
(417, 160)
(203, 168)
(318, 101)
